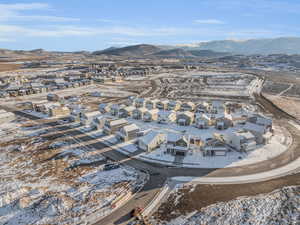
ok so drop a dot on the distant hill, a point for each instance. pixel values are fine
(177, 52)
(284, 45)
(157, 51)
(130, 51)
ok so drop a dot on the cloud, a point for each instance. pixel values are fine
(12, 12)
(209, 21)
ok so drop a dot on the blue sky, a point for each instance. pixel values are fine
(71, 25)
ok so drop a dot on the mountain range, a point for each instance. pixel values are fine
(209, 49)
(283, 45)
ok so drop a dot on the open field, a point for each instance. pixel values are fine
(9, 67)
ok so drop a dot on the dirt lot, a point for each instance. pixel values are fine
(203, 195)
(289, 104)
(9, 67)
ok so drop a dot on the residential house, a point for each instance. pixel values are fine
(139, 102)
(151, 104)
(243, 141)
(185, 118)
(214, 147)
(126, 111)
(174, 105)
(112, 126)
(105, 107)
(166, 117)
(200, 108)
(262, 121)
(201, 123)
(59, 111)
(162, 105)
(177, 144)
(88, 118)
(260, 132)
(187, 106)
(138, 114)
(236, 118)
(114, 109)
(151, 141)
(128, 132)
(151, 115)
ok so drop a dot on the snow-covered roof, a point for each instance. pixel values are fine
(153, 111)
(92, 114)
(173, 137)
(131, 127)
(149, 137)
(117, 122)
(254, 127)
(187, 113)
(245, 134)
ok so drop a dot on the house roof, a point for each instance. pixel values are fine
(92, 114)
(131, 127)
(254, 127)
(117, 122)
(149, 137)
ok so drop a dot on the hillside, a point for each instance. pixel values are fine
(130, 51)
(284, 45)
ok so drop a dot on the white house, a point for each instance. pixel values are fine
(112, 126)
(177, 144)
(166, 117)
(214, 147)
(128, 132)
(88, 118)
(151, 115)
(151, 141)
(240, 140)
(258, 131)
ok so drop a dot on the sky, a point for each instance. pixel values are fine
(74, 25)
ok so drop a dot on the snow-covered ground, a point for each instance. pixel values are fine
(279, 207)
(57, 185)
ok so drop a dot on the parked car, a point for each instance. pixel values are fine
(111, 166)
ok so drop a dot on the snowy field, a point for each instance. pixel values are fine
(45, 182)
(278, 207)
